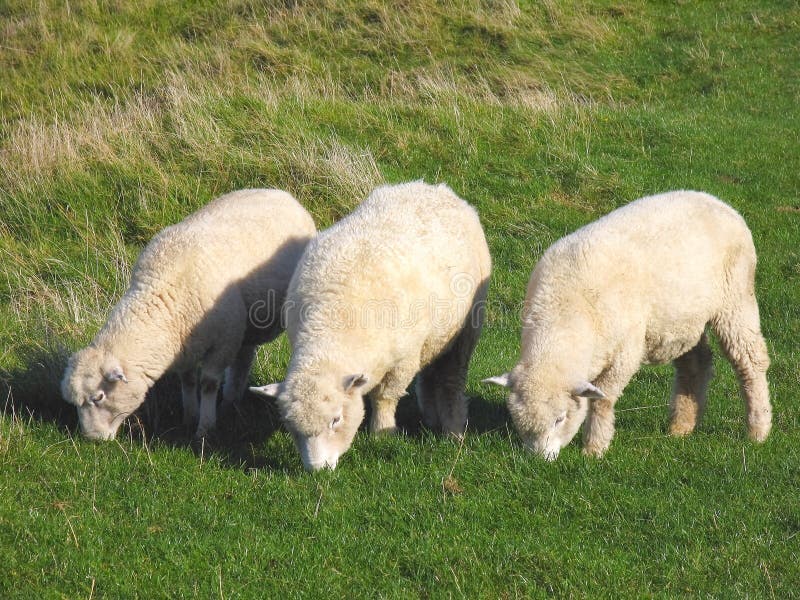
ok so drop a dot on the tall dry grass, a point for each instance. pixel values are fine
(119, 118)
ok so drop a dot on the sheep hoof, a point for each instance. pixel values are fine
(455, 435)
(203, 432)
(680, 429)
(455, 428)
(387, 431)
(594, 451)
(759, 434)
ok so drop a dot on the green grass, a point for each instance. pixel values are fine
(119, 118)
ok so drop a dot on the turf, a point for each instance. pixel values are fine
(118, 118)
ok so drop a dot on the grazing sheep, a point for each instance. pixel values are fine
(393, 289)
(204, 294)
(639, 285)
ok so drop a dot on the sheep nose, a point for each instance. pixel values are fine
(328, 463)
(98, 435)
(550, 455)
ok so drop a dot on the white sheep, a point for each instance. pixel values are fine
(203, 295)
(639, 285)
(393, 289)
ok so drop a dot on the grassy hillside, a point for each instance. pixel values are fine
(118, 118)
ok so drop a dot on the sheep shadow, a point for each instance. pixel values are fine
(484, 416)
(238, 441)
(32, 391)
(242, 438)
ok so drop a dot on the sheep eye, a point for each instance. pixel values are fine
(336, 421)
(97, 398)
(560, 419)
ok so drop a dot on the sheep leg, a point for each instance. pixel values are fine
(209, 385)
(740, 336)
(237, 375)
(383, 414)
(189, 396)
(386, 395)
(693, 371)
(427, 391)
(598, 429)
(440, 387)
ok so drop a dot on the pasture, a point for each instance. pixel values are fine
(119, 118)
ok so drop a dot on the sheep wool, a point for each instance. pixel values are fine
(394, 289)
(640, 285)
(203, 295)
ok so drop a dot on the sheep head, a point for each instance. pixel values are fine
(322, 412)
(97, 385)
(547, 414)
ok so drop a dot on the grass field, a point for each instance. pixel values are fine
(118, 118)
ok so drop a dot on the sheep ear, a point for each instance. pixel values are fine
(587, 390)
(354, 381)
(271, 390)
(115, 374)
(503, 380)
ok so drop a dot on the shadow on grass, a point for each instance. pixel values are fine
(242, 438)
(484, 416)
(33, 391)
(239, 439)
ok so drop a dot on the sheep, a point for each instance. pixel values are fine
(203, 295)
(639, 285)
(394, 289)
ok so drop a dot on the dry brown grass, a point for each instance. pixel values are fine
(182, 103)
(163, 85)
(36, 148)
(182, 114)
